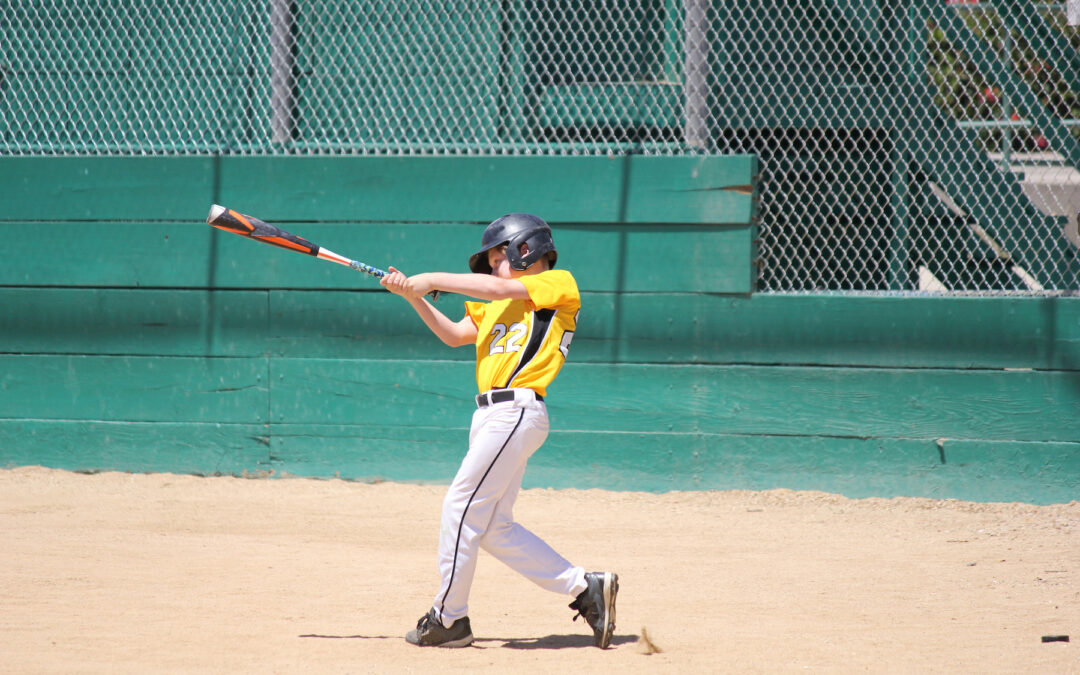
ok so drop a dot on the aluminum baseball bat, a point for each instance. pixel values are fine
(251, 227)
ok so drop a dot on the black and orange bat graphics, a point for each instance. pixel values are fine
(259, 230)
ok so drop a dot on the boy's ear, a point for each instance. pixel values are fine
(523, 250)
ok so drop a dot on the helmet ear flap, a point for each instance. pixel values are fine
(536, 244)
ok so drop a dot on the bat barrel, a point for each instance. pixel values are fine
(215, 212)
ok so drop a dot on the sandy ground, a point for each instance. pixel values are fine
(165, 573)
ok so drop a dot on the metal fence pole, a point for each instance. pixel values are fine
(697, 74)
(282, 69)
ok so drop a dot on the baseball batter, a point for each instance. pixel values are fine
(522, 335)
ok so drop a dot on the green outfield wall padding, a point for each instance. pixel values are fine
(627, 461)
(1042, 473)
(626, 189)
(95, 254)
(135, 337)
(677, 328)
(605, 257)
(133, 388)
(782, 400)
(417, 452)
(174, 447)
(127, 321)
(873, 467)
(104, 189)
(711, 189)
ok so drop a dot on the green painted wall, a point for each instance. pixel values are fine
(134, 337)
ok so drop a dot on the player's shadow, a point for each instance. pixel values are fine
(350, 637)
(575, 641)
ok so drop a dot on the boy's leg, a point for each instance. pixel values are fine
(526, 553)
(502, 439)
(594, 593)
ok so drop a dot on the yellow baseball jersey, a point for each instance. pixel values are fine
(524, 343)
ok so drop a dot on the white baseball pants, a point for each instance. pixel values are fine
(478, 511)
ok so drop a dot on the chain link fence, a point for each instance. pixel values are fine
(905, 145)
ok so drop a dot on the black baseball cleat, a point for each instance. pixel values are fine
(430, 632)
(597, 604)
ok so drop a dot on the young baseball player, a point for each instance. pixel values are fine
(521, 334)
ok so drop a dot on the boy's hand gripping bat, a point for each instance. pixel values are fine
(253, 228)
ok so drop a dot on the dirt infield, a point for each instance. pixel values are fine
(165, 573)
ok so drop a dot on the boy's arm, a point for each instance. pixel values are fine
(453, 333)
(480, 286)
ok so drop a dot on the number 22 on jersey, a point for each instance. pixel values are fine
(505, 340)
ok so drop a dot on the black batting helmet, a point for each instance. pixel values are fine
(515, 229)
